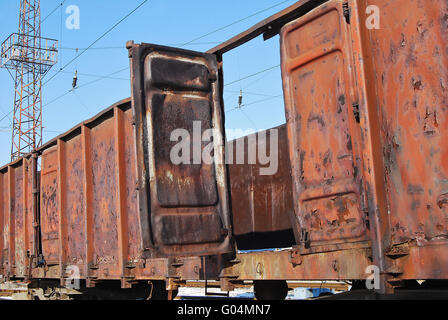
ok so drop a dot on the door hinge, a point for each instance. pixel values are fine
(346, 11)
(305, 238)
(356, 112)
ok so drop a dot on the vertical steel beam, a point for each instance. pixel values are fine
(88, 204)
(121, 196)
(373, 167)
(61, 198)
(2, 223)
(25, 210)
(36, 212)
(11, 220)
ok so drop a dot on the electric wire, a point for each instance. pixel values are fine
(98, 39)
(233, 23)
(251, 75)
(53, 11)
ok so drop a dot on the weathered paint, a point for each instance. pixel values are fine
(260, 203)
(84, 210)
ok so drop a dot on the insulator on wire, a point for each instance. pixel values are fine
(75, 80)
(240, 99)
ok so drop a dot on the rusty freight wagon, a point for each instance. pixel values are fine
(363, 185)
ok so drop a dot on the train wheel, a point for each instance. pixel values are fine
(270, 289)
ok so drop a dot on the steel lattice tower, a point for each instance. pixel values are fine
(28, 57)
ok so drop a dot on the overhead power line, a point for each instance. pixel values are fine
(251, 93)
(108, 76)
(252, 75)
(123, 47)
(95, 75)
(255, 102)
(98, 39)
(84, 85)
(233, 23)
(53, 11)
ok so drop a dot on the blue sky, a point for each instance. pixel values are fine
(168, 22)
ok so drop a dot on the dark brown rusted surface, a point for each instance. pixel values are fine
(260, 203)
(187, 204)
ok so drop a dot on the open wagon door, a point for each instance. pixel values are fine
(322, 104)
(183, 197)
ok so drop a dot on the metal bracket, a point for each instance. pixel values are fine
(295, 258)
(398, 251)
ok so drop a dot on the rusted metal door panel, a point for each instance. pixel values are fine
(323, 131)
(261, 203)
(49, 206)
(185, 205)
